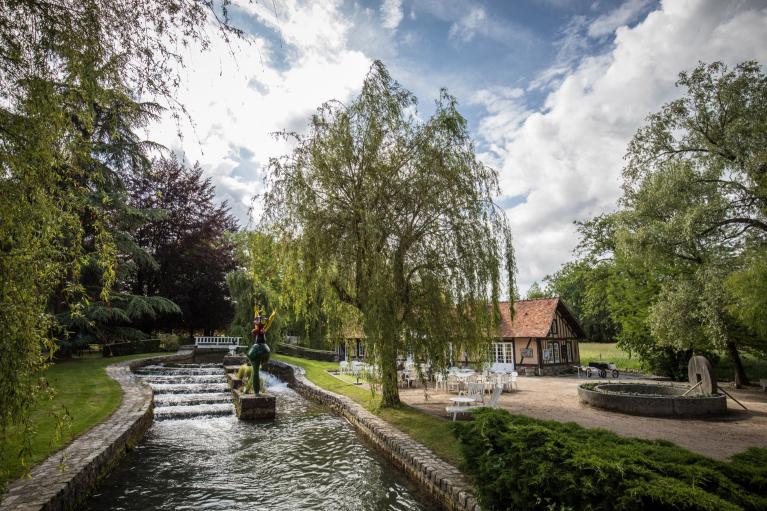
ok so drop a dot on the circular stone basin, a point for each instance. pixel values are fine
(651, 400)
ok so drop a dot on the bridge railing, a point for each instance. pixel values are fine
(212, 342)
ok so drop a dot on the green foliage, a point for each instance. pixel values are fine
(258, 282)
(70, 76)
(583, 286)
(386, 222)
(523, 463)
(680, 270)
(536, 291)
(748, 286)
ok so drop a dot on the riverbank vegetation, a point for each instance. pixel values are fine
(79, 83)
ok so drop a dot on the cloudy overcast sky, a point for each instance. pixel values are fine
(553, 89)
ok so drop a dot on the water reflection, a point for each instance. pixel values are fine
(306, 459)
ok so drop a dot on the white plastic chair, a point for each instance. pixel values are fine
(492, 403)
(513, 382)
(343, 367)
(476, 391)
(453, 383)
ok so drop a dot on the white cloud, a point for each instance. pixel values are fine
(237, 103)
(566, 158)
(618, 17)
(465, 28)
(391, 13)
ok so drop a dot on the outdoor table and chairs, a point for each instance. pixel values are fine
(463, 403)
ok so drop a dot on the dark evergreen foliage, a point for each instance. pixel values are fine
(523, 463)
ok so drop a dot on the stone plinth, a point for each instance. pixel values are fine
(254, 407)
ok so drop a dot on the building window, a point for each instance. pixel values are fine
(554, 327)
(503, 353)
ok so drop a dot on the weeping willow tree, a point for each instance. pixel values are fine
(394, 218)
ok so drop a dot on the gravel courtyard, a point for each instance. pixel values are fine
(556, 398)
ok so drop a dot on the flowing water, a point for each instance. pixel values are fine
(198, 455)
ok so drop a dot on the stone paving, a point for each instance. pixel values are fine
(65, 479)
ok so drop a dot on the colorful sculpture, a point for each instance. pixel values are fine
(259, 351)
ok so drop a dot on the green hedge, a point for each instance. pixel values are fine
(131, 347)
(303, 352)
(523, 463)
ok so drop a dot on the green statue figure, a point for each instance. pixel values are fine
(259, 351)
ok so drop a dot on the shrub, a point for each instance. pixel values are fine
(523, 463)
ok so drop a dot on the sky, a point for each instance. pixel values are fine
(553, 90)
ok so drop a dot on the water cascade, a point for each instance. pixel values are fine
(198, 455)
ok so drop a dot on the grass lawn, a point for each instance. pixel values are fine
(431, 431)
(608, 352)
(88, 394)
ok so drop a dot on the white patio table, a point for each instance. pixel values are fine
(462, 400)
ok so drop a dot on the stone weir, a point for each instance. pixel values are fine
(441, 480)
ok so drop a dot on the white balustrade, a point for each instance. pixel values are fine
(214, 342)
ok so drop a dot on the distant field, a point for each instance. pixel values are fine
(609, 352)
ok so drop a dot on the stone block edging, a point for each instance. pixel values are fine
(441, 480)
(653, 405)
(66, 478)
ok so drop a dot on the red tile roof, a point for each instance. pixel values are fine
(532, 318)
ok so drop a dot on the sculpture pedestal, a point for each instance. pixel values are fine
(254, 407)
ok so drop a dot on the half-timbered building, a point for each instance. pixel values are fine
(542, 337)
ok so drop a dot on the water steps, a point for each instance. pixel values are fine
(182, 391)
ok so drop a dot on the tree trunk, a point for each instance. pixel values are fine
(740, 373)
(388, 361)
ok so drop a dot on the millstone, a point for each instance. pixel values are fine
(699, 370)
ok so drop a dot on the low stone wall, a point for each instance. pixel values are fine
(442, 481)
(652, 400)
(66, 479)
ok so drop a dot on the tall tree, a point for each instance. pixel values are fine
(70, 75)
(395, 218)
(188, 243)
(695, 196)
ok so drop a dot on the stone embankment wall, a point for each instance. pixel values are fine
(66, 479)
(442, 481)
